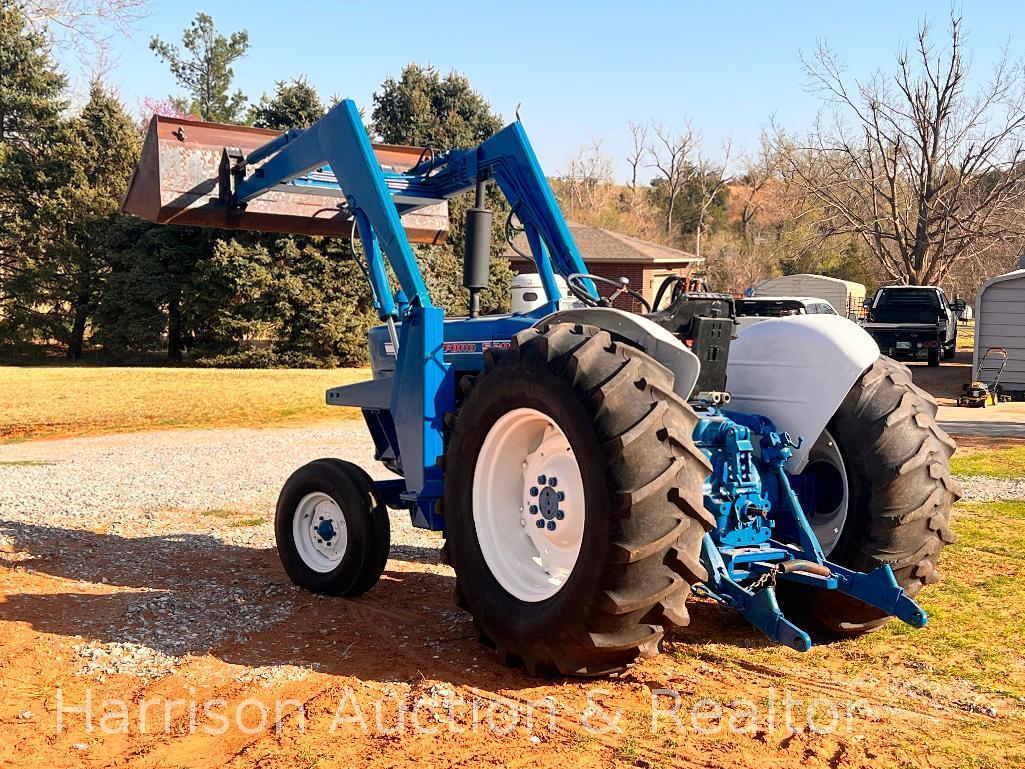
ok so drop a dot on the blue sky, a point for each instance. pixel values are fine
(580, 70)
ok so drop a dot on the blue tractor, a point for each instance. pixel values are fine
(590, 468)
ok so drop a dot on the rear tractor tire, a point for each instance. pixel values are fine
(573, 502)
(899, 496)
(332, 533)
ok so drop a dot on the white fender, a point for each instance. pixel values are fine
(648, 335)
(797, 371)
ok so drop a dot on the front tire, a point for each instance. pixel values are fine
(332, 533)
(897, 462)
(619, 441)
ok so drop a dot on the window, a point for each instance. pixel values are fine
(770, 308)
(908, 299)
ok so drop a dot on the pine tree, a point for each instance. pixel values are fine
(424, 109)
(78, 221)
(154, 280)
(32, 135)
(204, 70)
(94, 227)
(294, 104)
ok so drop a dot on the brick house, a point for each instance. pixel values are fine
(614, 255)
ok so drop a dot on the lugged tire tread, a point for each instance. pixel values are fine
(655, 475)
(888, 430)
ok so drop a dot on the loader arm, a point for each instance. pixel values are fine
(335, 157)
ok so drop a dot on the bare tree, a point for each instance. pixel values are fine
(639, 135)
(926, 173)
(759, 172)
(670, 153)
(731, 267)
(710, 178)
(588, 179)
(87, 26)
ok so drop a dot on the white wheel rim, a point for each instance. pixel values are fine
(525, 465)
(319, 532)
(828, 524)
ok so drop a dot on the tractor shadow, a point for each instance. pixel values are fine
(193, 594)
(711, 621)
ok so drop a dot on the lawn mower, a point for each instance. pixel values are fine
(985, 389)
(589, 467)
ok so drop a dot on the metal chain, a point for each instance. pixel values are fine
(768, 579)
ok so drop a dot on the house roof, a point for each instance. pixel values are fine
(600, 245)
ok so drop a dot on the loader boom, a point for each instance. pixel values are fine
(335, 157)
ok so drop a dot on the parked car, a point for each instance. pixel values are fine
(846, 296)
(758, 308)
(906, 320)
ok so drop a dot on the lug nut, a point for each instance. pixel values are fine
(559, 515)
(533, 491)
(553, 481)
(533, 509)
(541, 480)
(561, 496)
(540, 523)
(551, 526)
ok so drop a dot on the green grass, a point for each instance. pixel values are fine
(246, 522)
(976, 625)
(26, 463)
(1004, 462)
(41, 402)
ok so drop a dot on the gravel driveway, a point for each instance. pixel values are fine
(178, 523)
(111, 477)
(111, 480)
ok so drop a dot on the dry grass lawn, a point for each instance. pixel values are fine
(56, 401)
(966, 336)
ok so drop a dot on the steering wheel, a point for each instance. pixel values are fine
(579, 290)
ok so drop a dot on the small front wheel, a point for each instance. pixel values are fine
(332, 533)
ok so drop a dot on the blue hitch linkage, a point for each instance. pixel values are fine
(752, 499)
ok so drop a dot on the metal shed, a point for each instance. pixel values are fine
(1000, 322)
(845, 296)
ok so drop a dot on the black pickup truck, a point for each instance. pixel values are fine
(906, 320)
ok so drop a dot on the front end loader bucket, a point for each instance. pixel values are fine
(176, 182)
